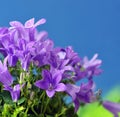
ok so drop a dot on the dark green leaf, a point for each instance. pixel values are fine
(6, 97)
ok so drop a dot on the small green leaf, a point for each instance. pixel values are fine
(21, 100)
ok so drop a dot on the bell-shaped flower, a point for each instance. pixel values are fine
(51, 83)
(92, 66)
(82, 94)
(5, 76)
(14, 91)
(30, 23)
(112, 107)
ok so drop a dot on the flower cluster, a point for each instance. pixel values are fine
(32, 66)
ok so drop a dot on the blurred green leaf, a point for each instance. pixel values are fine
(97, 110)
(17, 111)
(114, 95)
(6, 111)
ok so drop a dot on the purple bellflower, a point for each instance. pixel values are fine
(92, 66)
(72, 90)
(51, 83)
(5, 77)
(58, 63)
(86, 94)
(87, 68)
(41, 52)
(82, 94)
(112, 107)
(30, 26)
(71, 56)
(24, 53)
(9, 49)
(15, 92)
(3, 30)
(30, 23)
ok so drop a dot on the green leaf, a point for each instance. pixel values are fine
(6, 97)
(114, 95)
(17, 111)
(21, 100)
(6, 110)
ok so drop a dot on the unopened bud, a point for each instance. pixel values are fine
(32, 95)
(21, 77)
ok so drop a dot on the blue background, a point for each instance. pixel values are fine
(90, 26)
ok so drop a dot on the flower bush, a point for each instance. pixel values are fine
(36, 77)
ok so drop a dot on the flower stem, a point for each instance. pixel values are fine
(48, 99)
(42, 97)
(32, 108)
